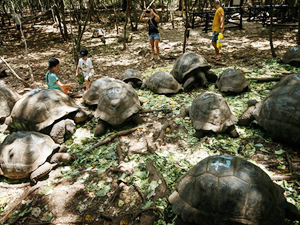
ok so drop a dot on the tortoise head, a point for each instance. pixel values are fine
(81, 116)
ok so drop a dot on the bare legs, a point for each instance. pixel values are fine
(154, 43)
(217, 53)
(87, 83)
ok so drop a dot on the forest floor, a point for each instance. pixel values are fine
(126, 181)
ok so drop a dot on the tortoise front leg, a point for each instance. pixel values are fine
(202, 77)
(41, 171)
(137, 119)
(232, 132)
(100, 128)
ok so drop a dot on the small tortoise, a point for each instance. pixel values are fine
(91, 97)
(191, 69)
(118, 103)
(232, 81)
(46, 111)
(292, 56)
(99, 33)
(132, 77)
(30, 154)
(163, 83)
(8, 98)
(228, 190)
(210, 113)
(278, 114)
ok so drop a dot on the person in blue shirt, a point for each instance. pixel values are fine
(52, 79)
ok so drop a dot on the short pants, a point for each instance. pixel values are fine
(154, 36)
(215, 36)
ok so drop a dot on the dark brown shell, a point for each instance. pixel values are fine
(40, 109)
(23, 152)
(228, 190)
(210, 112)
(131, 75)
(186, 64)
(292, 56)
(279, 113)
(8, 98)
(91, 97)
(117, 102)
(163, 83)
(232, 80)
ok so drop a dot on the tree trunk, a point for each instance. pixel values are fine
(186, 23)
(271, 30)
(65, 29)
(125, 26)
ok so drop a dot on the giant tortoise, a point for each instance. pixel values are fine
(191, 69)
(8, 98)
(232, 81)
(91, 97)
(46, 111)
(163, 83)
(118, 103)
(30, 154)
(132, 77)
(278, 113)
(292, 56)
(227, 190)
(210, 113)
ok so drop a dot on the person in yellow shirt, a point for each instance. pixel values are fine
(218, 27)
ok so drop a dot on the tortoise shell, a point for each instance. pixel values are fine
(163, 83)
(8, 98)
(40, 109)
(210, 112)
(131, 75)
(91, 97)
(232, 80)
(292, 56)
(23, 152)
(228, 190)
(186, 64)
(288, 80)
(117, 102)
(279, 113)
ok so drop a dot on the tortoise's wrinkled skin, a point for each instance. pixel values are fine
(232, 81)
(163, 83)
(8, 98)
(229, 190)
(26, 152)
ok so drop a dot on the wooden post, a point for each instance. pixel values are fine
(271, 31)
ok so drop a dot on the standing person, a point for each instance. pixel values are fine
(86, 67)
(154, 36)
(17, 18)
(52, 79)
(218, 27)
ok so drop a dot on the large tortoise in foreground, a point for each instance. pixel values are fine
(163, 83)
(278, 113)
(48, 111)
(232, 81)
(226, 190)
(8, 98)
(210, 113)
(118, 103)
(91, 97)
(191, 70)
(292, 56)
(30, 154)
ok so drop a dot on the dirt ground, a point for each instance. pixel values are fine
(64, 200)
